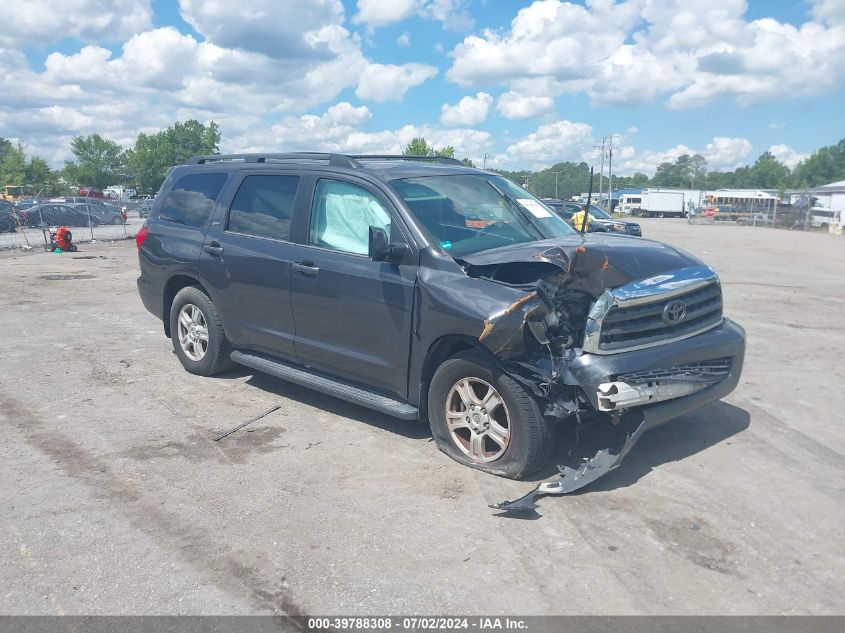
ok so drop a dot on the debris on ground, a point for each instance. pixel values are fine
(572, 479)
(250, 421)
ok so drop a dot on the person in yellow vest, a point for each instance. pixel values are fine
(581, 217)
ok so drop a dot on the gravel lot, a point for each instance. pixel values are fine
(116, 501)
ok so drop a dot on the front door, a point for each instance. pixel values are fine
(352, 314)
(246, 263)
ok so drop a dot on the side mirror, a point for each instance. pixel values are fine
(379, 247)
(381, 250)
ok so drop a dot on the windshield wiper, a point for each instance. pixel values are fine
(521, 211)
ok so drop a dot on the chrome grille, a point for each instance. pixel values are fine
(644, 325)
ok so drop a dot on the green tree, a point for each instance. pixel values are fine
(825, 165)
(562, 180)
(153, 154)
(696, 169)
(685, 171)
(467, 162)
(37, 171)
(418, 147)
(12, 163)
(99, 161)
(768, 172)
(445, 152)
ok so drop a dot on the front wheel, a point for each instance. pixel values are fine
(197, 333)
(482, 418)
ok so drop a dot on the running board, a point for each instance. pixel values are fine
(331, 387)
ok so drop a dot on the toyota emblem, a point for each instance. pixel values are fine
(674, 312)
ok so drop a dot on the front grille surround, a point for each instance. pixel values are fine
(630, 317)
(705, 371)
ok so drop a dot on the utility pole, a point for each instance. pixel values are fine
(556, 173)
(601, 168)
(485, 160)
(610, 176)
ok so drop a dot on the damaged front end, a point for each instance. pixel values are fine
(597, 345)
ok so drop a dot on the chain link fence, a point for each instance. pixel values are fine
(33, 227)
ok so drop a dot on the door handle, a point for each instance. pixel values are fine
(306, 268)
(213, 248)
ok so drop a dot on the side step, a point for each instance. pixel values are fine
(359, 396)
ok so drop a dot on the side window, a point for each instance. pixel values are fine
(263, 206)
(191, 199)
(342, 216)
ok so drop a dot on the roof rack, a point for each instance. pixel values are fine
(433, 159)
(335, 160)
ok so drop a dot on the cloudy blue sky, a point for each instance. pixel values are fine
(528, 83)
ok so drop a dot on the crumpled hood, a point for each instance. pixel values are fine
(629, 258)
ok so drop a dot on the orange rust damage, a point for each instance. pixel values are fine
(489, 325)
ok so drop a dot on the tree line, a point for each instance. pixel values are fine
(568, 179)
(99, 162)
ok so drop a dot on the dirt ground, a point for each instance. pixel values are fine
(115, 500)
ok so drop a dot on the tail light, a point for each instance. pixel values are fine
(141, 236)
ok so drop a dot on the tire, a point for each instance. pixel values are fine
(215, 357)
(529, 435)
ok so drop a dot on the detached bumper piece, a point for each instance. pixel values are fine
(648, 387)
(572, 479)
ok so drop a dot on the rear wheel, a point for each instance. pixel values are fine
(482, 418)
(197, 333)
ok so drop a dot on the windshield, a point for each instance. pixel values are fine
(469, 213)
(597, 212)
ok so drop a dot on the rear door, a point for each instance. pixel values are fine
(352, 314)
(246, 261)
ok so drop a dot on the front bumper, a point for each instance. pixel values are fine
(725, 341)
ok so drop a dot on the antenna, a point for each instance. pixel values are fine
(587, 207)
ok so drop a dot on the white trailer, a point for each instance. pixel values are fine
(662, 204)
(629, 203)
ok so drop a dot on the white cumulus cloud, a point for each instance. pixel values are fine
(688, 52)
(390, 82)
(787, 155)
(468, 111)
(44, 21)
(513, 105)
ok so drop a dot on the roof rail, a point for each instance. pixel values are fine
(433, 159)
(336, 160)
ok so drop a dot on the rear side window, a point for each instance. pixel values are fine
(191, 199)
(263, 206)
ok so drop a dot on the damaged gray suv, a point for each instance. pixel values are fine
(427, 290)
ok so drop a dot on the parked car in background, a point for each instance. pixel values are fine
(26, 204)
(86, 192)
(54, 214)
(8, 223)
(601, 222)
(105, 214)
(614, 225)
